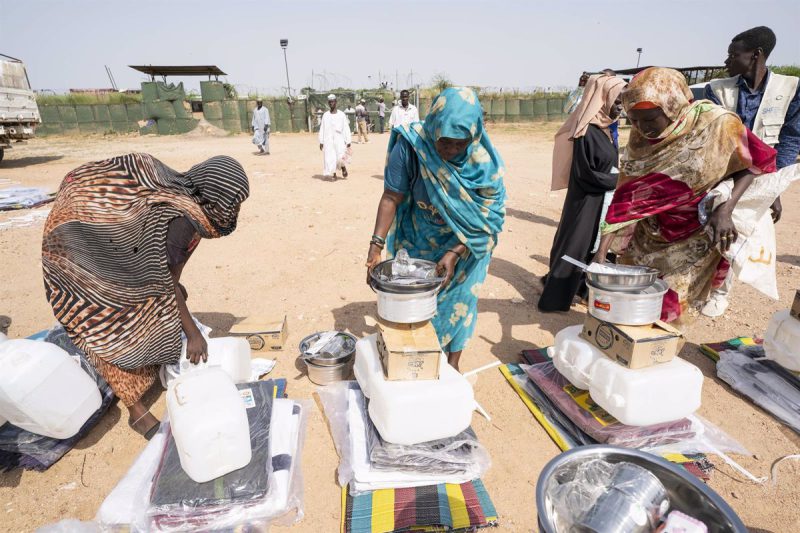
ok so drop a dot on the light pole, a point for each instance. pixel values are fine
(284, 44)
(638, 50)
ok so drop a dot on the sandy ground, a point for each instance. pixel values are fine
(300, 250)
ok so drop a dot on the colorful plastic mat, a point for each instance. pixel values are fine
(560, 428)
(464, 507)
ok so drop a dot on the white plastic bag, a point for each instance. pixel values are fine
(754, 253)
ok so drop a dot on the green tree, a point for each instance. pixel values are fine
(440, 82)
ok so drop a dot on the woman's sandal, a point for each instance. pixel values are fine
(148, 432)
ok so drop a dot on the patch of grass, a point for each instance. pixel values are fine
(88, 99)
(786, 70)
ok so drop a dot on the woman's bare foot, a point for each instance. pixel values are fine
(142, 421)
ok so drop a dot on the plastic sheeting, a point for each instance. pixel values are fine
(766, 388)
(128, 505)
(345, 408)
(20, 448)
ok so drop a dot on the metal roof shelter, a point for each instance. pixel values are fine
(693, 74)
(179, 70)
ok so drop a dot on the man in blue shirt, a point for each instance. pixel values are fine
(767, 103)
(747, 63)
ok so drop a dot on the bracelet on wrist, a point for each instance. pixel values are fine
(379, 239)
(376, 243)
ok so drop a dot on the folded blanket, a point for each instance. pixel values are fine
(366, 478)
(595, 421)
(21, 448)
(454, 455)
(174, 489)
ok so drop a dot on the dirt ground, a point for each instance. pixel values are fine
(300, 249)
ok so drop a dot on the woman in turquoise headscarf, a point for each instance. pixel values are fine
(444, 201)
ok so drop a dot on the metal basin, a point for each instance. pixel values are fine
(384, 269)
(627, 279)
(685, 492)
(328, 357)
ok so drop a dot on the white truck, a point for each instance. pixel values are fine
(19, 113)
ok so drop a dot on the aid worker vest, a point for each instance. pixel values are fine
(774, 104)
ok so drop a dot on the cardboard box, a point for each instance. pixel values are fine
(262, 334)
(634, 346)
(795, 311)
(409, 351)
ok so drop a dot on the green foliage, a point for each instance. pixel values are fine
(440, 82)
(786, 70)
(230, 91)
(88, 99)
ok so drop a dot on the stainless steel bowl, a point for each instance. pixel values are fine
(629, 279)
(326, 358)
(686, 493)
(384, 268)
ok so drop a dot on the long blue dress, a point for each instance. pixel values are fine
(447, 203)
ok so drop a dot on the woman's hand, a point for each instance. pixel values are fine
(723, 231)
(373, 258)
(196, 347)
(447, 266)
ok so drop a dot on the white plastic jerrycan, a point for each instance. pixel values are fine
(782, 340)
(231, 354)
(43, 390)
(209, 424)
(646, 396)
(410, 412)
(573, 357)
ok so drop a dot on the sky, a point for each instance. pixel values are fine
(492, 43)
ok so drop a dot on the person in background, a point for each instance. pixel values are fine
(404, 114)
(767, 103)
(614, 127)
(679, 150)
(361, 121)
(114, 247)
(381, 114)
(585, 160)
(261, 127)
(334, 139)
(444, 201)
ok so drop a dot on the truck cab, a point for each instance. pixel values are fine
(19, 114)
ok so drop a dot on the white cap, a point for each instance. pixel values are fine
(331, 97)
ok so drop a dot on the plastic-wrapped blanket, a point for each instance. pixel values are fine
(23, 198)
(173, 489)
(596, 422)
(20, 448)
(345, 408)
(128, 506)
(766, 388)
(454, 455)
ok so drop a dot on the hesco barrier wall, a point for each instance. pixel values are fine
(164, 111)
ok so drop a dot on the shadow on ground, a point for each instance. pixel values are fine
(320, 177)
(510, 313)
(23, 162)
(530, 217)
(220, 323)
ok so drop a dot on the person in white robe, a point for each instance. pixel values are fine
(334, 139)
(261, 125)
